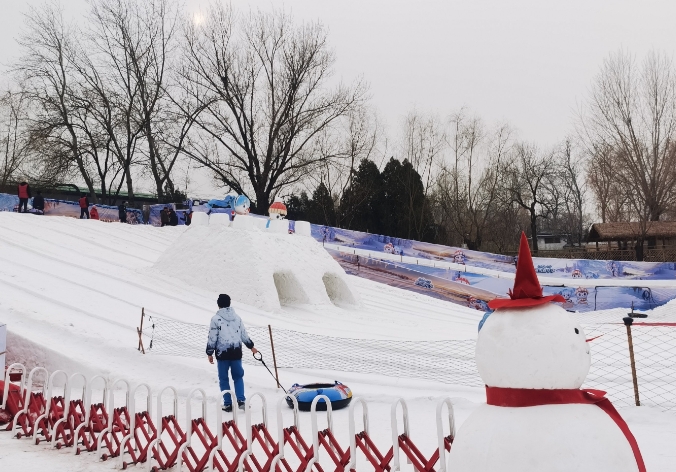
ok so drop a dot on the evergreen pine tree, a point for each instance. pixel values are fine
(321, 209)
(361, 204)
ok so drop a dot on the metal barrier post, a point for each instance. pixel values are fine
(249, 426)
(219, 424)
(200, 428)
(353, 435)
(115, 430)
(64, 427)
(281, 441)
(169, 424)
(315, 428)
(444, 442)
(87, 429)
(138, 450)
(59, 410)
(395, 430)
(31, 401)
(22, 383)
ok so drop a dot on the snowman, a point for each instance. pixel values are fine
(277, 211)
(533, 359)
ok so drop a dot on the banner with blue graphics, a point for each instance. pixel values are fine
(476, 289)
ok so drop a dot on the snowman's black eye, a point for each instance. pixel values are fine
(577, 331)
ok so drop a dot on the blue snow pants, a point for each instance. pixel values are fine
(237, 372)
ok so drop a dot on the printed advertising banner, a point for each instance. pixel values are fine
(475, 290)
(8, 202)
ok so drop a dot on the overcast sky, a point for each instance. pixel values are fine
(527, 62)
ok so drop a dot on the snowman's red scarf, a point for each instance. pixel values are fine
(519, 397)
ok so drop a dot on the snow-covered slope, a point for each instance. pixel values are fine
(71, 294)
(75, 289)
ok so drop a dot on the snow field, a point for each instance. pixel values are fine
(72, 292)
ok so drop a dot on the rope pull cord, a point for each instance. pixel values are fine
(260, 359)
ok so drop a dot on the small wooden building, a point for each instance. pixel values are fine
(627, 234)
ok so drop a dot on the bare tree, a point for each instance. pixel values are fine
(137, 40)
(424, 141)
(132, 42)
(631, 117)
(570, 168)
(14, 138)
(468, 189)
(529, 181)
(46, 73)
(262, 82)
(600, 178)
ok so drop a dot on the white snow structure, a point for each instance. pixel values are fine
(537, 351)
(265, 269)
(278, 226)
(219, 219)
(199, 219)
(303, 228)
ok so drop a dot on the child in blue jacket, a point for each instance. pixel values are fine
(226, 336)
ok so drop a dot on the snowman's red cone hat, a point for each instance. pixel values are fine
(527, 290)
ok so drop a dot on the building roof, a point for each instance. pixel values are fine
(631, 231)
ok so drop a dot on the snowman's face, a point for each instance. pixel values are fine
(241, 205)
(539, 347)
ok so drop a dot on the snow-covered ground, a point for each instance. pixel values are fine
(72, 292)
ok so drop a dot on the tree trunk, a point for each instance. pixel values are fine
(130, 186)
(652, 241)
(154, 163)
(534, 231)
(639, 250)
(81, 165)
(580, 228)
(262, 202)
(88, 180)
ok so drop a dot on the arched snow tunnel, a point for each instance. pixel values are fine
(289, 290)
(337, 290)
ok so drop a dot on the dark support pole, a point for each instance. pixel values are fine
(628, 321)
(140, 332)
(274, 358)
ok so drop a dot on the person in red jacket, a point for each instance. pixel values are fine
(94, 213)
(84, 206)
(24, 191)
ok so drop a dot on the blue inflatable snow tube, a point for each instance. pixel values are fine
(340, 395)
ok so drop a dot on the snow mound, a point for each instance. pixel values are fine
(263, 269)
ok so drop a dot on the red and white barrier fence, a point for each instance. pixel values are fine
(130, 434)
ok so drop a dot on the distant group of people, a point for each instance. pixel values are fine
(86, 213)
(168, 217)
(24, 193)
